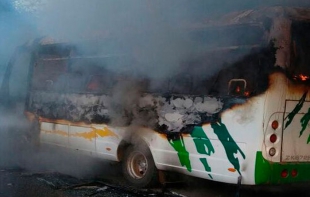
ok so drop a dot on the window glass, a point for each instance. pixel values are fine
(49, 74)
(299, 69)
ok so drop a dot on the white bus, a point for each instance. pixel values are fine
(248, 122)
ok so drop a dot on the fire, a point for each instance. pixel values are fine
(303, 77)
(238, 89)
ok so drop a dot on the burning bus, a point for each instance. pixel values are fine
(247, 122)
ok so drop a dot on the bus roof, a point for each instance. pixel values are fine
(254, 16)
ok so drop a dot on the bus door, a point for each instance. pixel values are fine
(82, 137)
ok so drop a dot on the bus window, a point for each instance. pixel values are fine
(54, 51)
(50, 67)
(299, 69)
(99, 84)
(93, 77)
(75, 82)
(237, 87)
(48, 74)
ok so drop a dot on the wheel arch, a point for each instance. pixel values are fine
(134, 140)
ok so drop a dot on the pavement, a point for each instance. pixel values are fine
(20, 183)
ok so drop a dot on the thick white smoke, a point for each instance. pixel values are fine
(154, 32)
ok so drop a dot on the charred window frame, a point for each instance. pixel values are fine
(218, 47)
(51, 63)
(230, 52)
(94, 76)
(254, 68)
(61, 68)
(299, 69)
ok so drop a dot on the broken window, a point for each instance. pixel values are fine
(223, 53)
(100, 83)
(50, 67)
(47, 74)
(300, 50)
(93, 75)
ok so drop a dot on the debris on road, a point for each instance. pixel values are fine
(56, 184)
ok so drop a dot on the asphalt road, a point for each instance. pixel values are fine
(57, 173)
(23, 183)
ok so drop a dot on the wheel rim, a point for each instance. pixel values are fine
(137, 165)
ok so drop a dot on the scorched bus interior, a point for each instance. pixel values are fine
(212, 117)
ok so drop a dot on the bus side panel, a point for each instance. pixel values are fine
(82, 137)
(108, 140)
(220, 151)
(53, 133)
(244, 126)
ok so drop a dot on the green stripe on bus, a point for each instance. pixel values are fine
(203, 146)
(183, 154)
(270, 173)
(262, 169)
(230, 146)
(295, 111)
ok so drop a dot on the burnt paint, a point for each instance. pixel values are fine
(98, 112)
(254, 68)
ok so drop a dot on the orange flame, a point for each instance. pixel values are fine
(303, 77)
(238, 89)
(247, 93)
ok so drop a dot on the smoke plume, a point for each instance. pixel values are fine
(157, 34)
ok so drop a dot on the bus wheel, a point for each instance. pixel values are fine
(138, 167)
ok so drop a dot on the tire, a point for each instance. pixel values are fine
(138, 167)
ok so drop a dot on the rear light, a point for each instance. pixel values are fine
(273, 138)
(272, 152)
(294, 173)
(275, 124)
(284, 173)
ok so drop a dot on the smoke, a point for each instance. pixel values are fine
(15, 30)
(156, 34)
(150, 31)
(17, 148)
